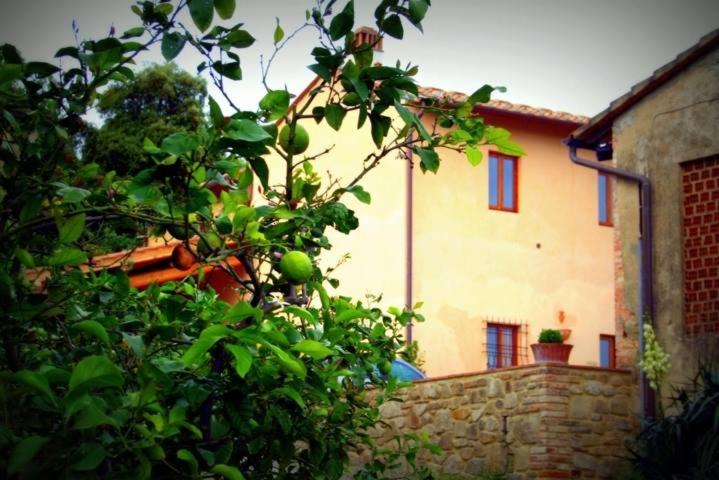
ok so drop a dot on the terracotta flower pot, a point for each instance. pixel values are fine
(566, 333)
(551, 352)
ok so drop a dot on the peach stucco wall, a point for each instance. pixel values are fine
(471, 263)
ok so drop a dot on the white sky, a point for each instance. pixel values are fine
(572, 55)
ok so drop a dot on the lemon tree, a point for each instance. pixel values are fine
(106, 381)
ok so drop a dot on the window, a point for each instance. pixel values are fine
(605, 199)
(502, 342)
(502, 182)
(606, 351)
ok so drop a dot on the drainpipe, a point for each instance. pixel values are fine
(646, 300)
(409, 243)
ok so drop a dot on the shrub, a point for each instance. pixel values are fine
(684, 446)
(550, 335)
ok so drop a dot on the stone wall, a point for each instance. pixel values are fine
(536, 421)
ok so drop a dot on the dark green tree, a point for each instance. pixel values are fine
(162, 99)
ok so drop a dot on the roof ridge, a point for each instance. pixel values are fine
(504, 105)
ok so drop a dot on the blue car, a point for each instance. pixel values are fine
(405, 371)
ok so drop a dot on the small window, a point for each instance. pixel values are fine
(502, 182)
(606, 351)
(502, 341)
(605, 199)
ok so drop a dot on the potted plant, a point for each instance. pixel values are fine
(551, 347)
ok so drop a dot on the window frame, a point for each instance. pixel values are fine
(612, 350)
(607, 199)
(500, 182)
(514, 360)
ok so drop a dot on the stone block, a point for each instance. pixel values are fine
(620, 405)
(461, 414)
(579, 407)
(584, 461)
(495, 388)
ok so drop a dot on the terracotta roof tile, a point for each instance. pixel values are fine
(503, 105)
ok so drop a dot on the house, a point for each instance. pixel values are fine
(495, 253)
(662, 139)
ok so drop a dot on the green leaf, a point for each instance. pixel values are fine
(429, 160)
(342, 24)
(179, 143)
(312, 348)
(289, 362)
(509, 147)
(321, 71)
(334, 114)
(302, 313)
(225, 8)
(90, 456)
(241, 311)
(94, 328)
(24, 452)
(230, 70)
(10, 72)
(482, 95)
(228, 472)
(187, 457)
(172, 44)
(474, 155)
(207, 339)
(243, 359)
(247, 131)
(41, 69)
(393, 26)
(238, 39)
(279, 34)
(67, 256)
(73, 194)
(361, 194)
(135, 342)
(72, 229)
(202, 12)
(133, 32)
(380, 127)
(259, 166)
(94, 371)
(290, 393)
(24, 257)
(500, 138)
(218, 119)
(276, 103)
(407, 116)
(91, 417)
(417, 10)
(36, 382)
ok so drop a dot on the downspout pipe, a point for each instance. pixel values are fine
(646, 301)
(409, 240)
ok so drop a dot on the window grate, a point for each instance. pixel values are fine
(505, 342)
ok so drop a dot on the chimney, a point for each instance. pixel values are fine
(370, 36)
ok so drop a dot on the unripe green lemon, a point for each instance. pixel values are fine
(299, 143)
(296, 266)
(385, 367)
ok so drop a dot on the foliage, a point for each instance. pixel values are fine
(102, 380)
(412, 354)
(654, 361)
(550, 335)
(686, 445)
(159, 101)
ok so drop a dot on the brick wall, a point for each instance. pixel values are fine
(535, 421)
(700, 184)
